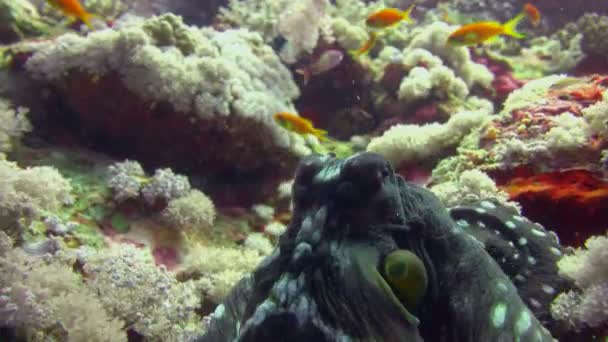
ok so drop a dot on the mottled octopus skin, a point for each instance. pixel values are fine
(322, 282)
(526, 252)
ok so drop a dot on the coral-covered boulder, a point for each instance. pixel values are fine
(156, 90)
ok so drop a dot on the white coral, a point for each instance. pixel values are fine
(588, 305)
(597, 115)
(14, 124)
(471, 186)
(193, 211)
(300, 25)
(570, 132)
(412, 143)
(202, 72)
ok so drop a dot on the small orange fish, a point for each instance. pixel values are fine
(533, 13)
(73, 9)
(480, 32)
(389, 17)
(368, 45)
(299, 125)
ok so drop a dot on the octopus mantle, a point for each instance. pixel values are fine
(369, 257)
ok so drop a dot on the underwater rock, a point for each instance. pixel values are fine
(333, 276)
(169, 95)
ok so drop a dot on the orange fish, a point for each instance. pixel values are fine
(299, 125)
(533, 13)
(368, 45)
(480, 32)
(73, 9)
(389, 17)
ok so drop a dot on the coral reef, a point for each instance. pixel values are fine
(413, 143)
(429, 71)
(147, 298)
(14, 124)
(300, 25)
(592, 27)
(148, 194)
(585, 308)
(543, 56)
(43, 297)
(214, 89)
(550, 124)
(215, 270)
(28, 193)
(472, 186)
(20, 19)
(192, 211)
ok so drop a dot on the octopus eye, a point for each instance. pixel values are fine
(406, 275)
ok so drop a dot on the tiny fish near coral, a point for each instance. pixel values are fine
(367, 45)
(327, 61)
(483, 31)
(73, 9)
(533, 13)
(299, 125)
(389, 17)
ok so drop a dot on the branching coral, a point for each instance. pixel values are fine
(28, 192)
(129, 181)
(42, 297)
(216, 269)
(126, 179)
(592, 27)
(558, 57)
(587, 307)
(149, 299)
(165, 185)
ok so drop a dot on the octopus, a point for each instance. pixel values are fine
(370, 257)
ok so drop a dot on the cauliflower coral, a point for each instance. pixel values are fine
(587, 306)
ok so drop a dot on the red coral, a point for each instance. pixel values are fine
(504, 82)
(573, 203)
